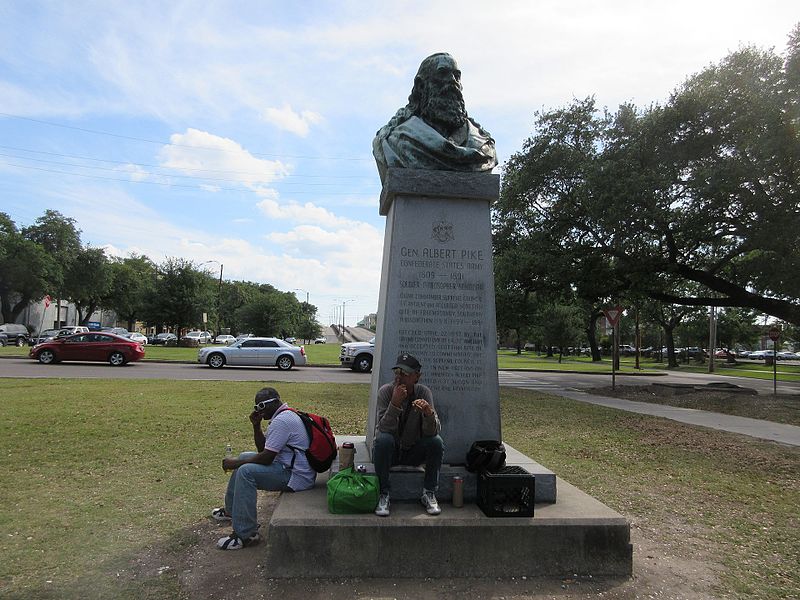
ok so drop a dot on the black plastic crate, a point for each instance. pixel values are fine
(507, 493)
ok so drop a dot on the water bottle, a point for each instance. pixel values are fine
(228, 453)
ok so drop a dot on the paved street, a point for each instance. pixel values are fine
(25, 367)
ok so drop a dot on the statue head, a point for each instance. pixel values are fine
(436, 96)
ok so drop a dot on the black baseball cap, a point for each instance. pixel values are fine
(408, 363)
(265, 397)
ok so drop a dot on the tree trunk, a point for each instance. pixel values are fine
(591, 333)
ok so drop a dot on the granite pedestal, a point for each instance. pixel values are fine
(576, 535)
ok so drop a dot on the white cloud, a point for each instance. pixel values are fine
(205, 155)
(287, 119)
(302, 213)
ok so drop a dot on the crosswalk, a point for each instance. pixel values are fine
(524, 381)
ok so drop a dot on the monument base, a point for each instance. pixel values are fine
(576, 535)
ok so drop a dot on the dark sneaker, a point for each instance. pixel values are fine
(234, 542)
(383, 506)
(219, 514)
(429, 502)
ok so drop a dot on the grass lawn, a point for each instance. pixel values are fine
(98, 471)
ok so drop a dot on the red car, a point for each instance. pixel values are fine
(99, 346)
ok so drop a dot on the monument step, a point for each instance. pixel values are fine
(576, 535)
(406, 483)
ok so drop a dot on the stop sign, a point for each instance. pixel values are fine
(774, 334)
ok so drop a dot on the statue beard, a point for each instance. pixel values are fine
(444, 108)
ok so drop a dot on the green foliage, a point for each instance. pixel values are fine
(179, 296)
(87, 282)
(270, 313)
(683, 203)
(133, 281)
(27, 272)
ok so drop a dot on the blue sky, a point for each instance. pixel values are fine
(240, 132)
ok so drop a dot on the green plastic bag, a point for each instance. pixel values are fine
(352, 492)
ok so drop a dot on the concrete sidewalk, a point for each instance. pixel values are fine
(765, 430)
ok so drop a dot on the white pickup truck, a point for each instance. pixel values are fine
(358, 355)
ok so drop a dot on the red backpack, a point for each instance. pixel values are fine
(321, 442)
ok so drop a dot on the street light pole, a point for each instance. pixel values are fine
(219, 292)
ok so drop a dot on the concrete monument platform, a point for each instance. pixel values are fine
(578, 534)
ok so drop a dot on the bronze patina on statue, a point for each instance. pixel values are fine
(433, 131)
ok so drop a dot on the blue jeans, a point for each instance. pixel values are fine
(387, 452)
(241, 497)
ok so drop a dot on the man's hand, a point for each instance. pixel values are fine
(255, 417)
(423, 406)
(399, 394)
(230, 463)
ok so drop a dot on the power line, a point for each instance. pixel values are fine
(161, 143)
(118, 162)
(177, 185)
(65, 164)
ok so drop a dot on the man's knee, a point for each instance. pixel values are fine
(435, 445)
(384, 443)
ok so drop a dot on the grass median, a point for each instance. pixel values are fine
(99, 471)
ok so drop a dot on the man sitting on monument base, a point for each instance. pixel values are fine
(407, 433)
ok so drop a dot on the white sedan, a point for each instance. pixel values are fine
(254, 352)
(137, 337)
(224, 339)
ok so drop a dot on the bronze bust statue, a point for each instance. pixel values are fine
(433, 131)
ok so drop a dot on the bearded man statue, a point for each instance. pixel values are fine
(433, 131)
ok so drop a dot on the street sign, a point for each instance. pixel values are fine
(774, 334)
(613, 314)
(47, 301)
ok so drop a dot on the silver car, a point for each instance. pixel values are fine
(254, 352)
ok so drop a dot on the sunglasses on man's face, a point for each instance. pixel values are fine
(399, 371)
(262, 406)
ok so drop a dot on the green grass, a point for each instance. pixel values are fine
(96, 472)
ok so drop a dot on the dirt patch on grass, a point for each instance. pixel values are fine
(198, 571)
(783, 408)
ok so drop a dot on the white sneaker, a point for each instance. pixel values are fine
(383, 506)
(429, 502)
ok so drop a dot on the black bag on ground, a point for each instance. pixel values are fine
(486, 455)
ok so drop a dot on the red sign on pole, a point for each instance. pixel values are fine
(774, 334)
(613, 314)
(47, 301)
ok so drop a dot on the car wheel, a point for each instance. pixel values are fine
(285, 362)
(117, 359)
(216, 361)
(363, 363)
(20, 342)
(46, 357)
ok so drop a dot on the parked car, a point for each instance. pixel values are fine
(49, 334)
(202, 337)
(115, 330)
(137, 337)
(94, 346)
(759, 354)
(16, 333)
(290, 339)
(224, 339)
(788, 356)
(358, 355)
(3, 339)
(626, 350)
(162, 338)
(254, 351)
(321, 340)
